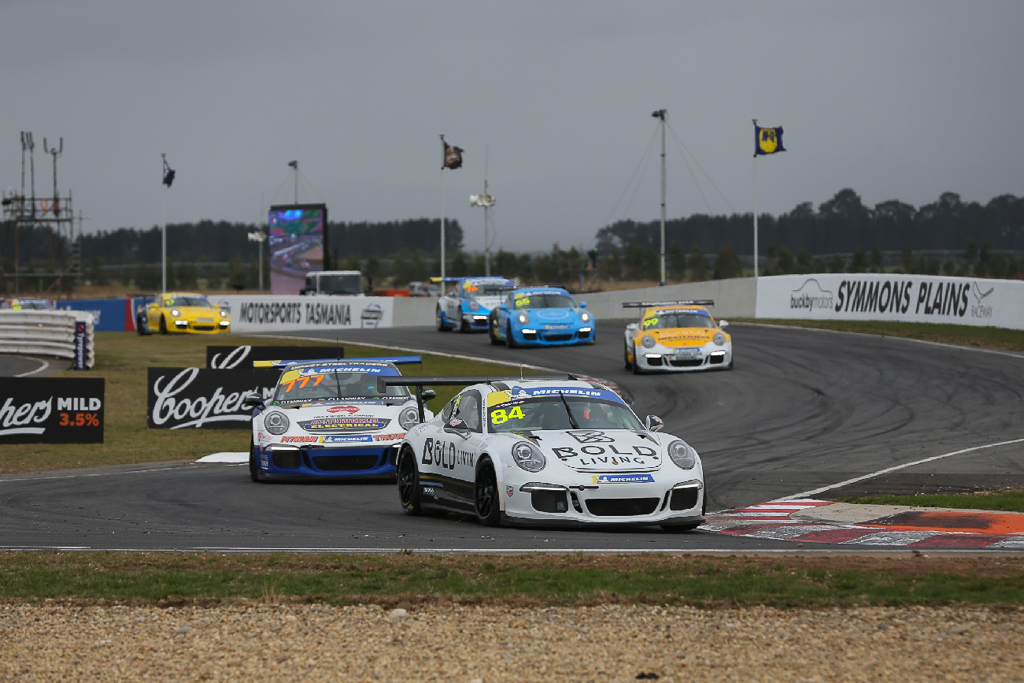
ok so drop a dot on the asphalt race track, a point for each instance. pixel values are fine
(802, 412)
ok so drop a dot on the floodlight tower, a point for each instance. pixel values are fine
(294, 164)
(487, 201)
(660, 114)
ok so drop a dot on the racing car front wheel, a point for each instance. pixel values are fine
(492, 330)
(439, 320)
(625, 359)
(409, 483)
(254, 471)
(488, 509)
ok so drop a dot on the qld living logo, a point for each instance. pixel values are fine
(810, 296)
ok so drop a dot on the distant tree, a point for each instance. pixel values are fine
(727, 265)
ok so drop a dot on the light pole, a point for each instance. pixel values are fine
(660, 114)
(295, 165)
(259, 237)
(487, 201)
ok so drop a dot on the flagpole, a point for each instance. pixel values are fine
(442, 226)
(163, 237)
(754, 174)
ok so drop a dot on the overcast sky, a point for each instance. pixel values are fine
(551, 101)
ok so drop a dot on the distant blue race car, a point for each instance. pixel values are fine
(541, 316)
(466, 305)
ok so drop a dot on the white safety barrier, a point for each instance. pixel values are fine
(49, 333)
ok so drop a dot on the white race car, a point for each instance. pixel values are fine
(557, 451)
(676, 335)
(327, 419)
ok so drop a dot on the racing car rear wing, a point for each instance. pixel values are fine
(682, 302)
(455, 380)
(397, 360)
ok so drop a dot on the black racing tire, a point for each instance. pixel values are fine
(636, 368)
(625, 358)
(408, 478)
(464, 326)
(492, 330)
(163, 325)
(486, 499)
(254, 471)
(140, 325)
(439, 320)
(508, 336)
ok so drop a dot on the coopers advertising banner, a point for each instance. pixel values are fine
(230, 357)
(893, 297)
(51, 410)
(273, 313)
(194, 398)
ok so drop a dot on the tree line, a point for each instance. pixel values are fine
(948, 236)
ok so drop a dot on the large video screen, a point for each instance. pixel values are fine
(298, 243)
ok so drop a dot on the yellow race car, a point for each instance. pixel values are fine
(676, 335)
(180, 312)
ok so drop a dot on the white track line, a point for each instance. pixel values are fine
(815, 492)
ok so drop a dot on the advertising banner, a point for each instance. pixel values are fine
(230, 357)
(271, 313)
(51, 410)
(201, 398)
(893, 297)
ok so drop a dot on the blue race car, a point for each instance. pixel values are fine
(326, 418)
(467, 305)
(541, 316)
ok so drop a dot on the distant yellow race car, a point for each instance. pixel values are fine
(676, 335)
(180, 312)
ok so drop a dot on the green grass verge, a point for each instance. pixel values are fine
(520, 580)
(1011, 500)
(995, 338)
(122, 360)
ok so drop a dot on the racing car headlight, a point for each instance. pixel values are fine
(682, 455)
(175, 312)
(523, 318)
(223, 313)
(276, 423)
(473, 305)
(408, 417)
(528, 456)
(585, 317)
(647, 341)
(719, 339)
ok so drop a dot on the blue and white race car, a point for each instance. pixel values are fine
(467, 305)
(541, 316)
(326, 418)
(553, 451)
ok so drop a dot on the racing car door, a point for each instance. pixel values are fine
(452, 455)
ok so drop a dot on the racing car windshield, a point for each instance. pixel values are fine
(560, 412)
(188, 301)
(333, 385)
(544, 300)
(668, 320)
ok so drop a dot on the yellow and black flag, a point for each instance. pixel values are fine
(767, 140)
(452, 155)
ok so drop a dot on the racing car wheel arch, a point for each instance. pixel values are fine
(254, 470)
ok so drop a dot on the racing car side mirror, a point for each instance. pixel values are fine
(457, 425)
(723, 323)
(653, 423)
(428, 394)
(252, 401)
(632, 326)
(583, 304)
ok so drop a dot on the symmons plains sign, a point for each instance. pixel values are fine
(893, 297)
(51, 410)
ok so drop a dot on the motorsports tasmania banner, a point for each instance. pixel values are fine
(893, 297)
(274, 313)
(51, 410)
